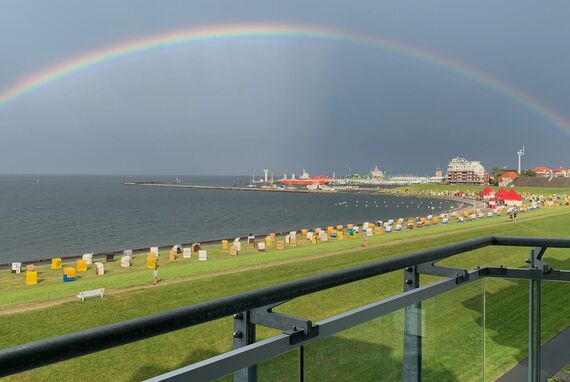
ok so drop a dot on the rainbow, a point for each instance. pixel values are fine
(276, 31)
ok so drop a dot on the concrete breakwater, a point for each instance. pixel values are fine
(474, 203)
(227, 188)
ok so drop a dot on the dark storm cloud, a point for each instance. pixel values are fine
(235, 107)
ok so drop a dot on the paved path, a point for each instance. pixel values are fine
(555, 354)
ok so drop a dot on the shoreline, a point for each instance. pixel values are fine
(111, 255)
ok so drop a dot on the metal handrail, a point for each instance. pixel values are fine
(35, 354)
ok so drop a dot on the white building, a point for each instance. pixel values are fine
(463, 171)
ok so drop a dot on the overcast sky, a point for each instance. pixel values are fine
(235, 107)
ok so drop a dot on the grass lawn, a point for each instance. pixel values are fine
(483, 323)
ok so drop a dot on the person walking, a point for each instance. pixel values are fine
(155, 274)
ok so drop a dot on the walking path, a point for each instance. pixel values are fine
(45, 304)
(554, 355)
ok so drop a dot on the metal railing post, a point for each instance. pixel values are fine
(534, 315)
(244, 334)
(412, 362)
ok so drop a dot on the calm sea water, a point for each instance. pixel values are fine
(45, 216)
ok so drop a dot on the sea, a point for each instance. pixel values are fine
(43, 216)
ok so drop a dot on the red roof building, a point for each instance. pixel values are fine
(542, 171)
(507, 178)
(560, 171)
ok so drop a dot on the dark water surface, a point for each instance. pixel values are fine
(46, 216)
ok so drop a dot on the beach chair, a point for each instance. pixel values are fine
(69, 274)
(56, 263)
(88, 258)
(81, 265)
(16, 268)
(187, 252)
(261, 247)
(293, 241)
(125, 261)
(31, 277)
(202, 255)
(99, 269)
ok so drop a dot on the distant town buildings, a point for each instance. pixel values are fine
(547, 172)
(507, 177)
(463, 171)
(376, 174)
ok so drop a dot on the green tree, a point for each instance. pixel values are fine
(495, 174)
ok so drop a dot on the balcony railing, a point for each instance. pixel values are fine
(340, 347)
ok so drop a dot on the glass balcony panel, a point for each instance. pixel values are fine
(283, 368)
(506, 327)
(369, 352)
(453, 334)
(555, 329)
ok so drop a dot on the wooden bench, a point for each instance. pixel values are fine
(91, 293)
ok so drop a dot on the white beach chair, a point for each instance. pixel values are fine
(99, 269)
(125, 261)
(16, 268)
(88, 257)
(187, 253)
(202, 255)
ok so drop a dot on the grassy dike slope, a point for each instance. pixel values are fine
(116, 279)
(458, 338)
(467, 188)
